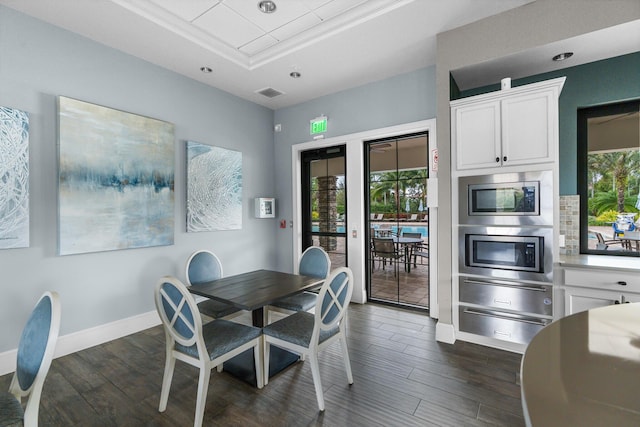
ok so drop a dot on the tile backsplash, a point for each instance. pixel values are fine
(570, 224)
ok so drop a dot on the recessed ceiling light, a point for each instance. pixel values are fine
(267, 6)
(295, 74)
(563, 56)
(206, 70)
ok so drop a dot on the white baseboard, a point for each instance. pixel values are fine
(445, 333)
(86, 338)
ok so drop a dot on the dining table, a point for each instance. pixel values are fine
(252, 291)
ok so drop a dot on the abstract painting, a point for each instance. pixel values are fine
(116, 179)
(14, 178)
(214, 188)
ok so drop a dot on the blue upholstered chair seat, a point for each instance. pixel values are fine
(299, 302)
(216, 309)
(221, 337)
(297, 329)
(11, 412)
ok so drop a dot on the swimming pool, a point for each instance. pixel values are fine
(424, 231)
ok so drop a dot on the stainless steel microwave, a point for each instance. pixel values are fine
(507, 199)
(507, 252)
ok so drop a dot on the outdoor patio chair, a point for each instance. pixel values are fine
(606, 244)
(385, 250)
(620, 227)
(416, 249)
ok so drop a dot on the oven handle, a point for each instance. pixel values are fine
(507, 285)
(539, 322)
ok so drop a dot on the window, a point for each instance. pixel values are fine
(609, 179)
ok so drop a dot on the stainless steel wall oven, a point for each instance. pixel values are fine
(524, 198)
(505, 241)
(507, 252)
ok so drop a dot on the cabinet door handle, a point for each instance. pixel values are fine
(504, 159)
(497, 159)
(622, 283)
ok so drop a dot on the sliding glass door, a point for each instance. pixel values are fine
(398, 220)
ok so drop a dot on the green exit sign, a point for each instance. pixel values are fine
(318, 125)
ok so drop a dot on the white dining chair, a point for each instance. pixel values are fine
(35, 352)
(203, 346)
(314, 262)
(307, 334)
(204, 266)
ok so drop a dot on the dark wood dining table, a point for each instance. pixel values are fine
(253, 291)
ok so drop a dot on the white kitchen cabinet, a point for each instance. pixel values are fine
(581, 299)
(587, 288)
(511, 127)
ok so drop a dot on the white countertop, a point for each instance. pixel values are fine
(583, 370)
(601, 261)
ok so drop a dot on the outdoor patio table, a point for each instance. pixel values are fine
(406, 243)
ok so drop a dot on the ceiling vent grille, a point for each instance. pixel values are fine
(270, 92)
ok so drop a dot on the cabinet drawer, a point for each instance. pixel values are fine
(507, 295)
(500, 325)
(602, 279)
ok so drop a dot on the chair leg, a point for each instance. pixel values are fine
(33, 405)
(201, 399)
(345, 356)
(267, 349)
(257, 353)
(169, 365)
(315, 373)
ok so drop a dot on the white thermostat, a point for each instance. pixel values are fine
(265, 207)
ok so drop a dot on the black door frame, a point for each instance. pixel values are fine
(306, 159)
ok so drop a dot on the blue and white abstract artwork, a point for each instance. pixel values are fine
(14, 178)
(116, 179)
(214, 188)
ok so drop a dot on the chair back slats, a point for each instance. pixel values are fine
(176, 308)
(334, 298)
(314, 262)
(203, 266)
(384, 246)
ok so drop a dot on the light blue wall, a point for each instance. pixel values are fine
(602, 82)
(38, 62)
(401, 99)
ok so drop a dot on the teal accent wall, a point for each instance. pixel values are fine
(601, 82)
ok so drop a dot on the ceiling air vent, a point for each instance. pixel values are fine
(270, 92)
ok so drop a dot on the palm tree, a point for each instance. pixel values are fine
(620, 165)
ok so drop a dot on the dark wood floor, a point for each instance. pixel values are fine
(402, 377)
